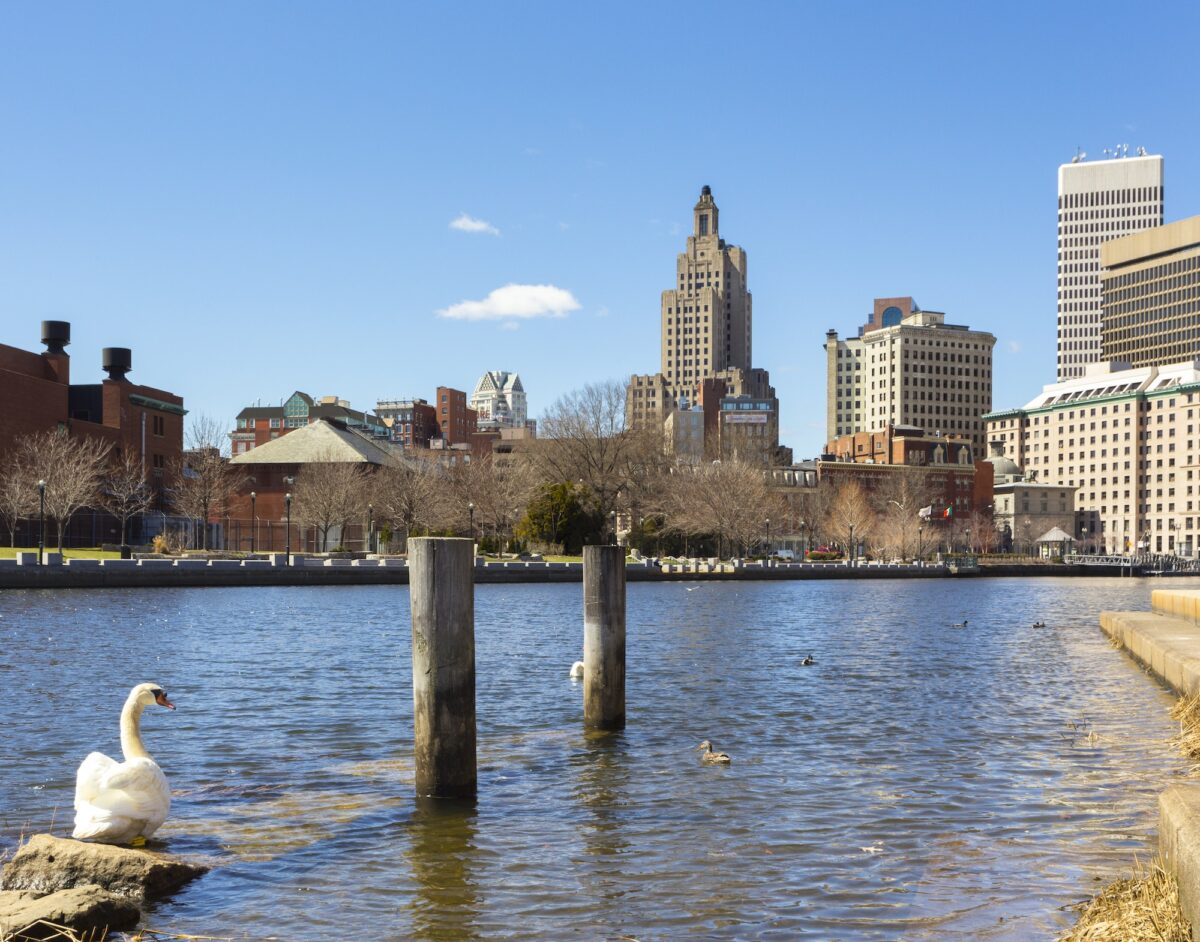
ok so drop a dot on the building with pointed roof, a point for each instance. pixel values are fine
(257, 425)
(499, 401)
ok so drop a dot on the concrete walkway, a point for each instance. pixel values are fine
(1167, 641)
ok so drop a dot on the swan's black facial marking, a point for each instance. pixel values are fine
(160, 697)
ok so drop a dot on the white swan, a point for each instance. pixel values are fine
(577, 670)
(123, 802)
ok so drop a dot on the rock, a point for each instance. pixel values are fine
(47, 864)
(83, 909)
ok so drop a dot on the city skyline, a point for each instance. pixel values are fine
(192, 188)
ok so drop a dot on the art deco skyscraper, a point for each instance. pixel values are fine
(1097, 201)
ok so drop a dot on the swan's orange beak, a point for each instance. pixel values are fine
(161, 700)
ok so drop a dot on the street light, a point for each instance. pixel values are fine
(253, 520)
(920, 542)
(767, 548)
(287, 499)
(853, 548)
(41, 520)
(968, 539)
(370, 525)
(612, 525)
(471, 514)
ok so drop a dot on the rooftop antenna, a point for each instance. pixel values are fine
(1080, 156)
(1141, 152)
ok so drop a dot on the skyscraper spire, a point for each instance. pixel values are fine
(704, 221)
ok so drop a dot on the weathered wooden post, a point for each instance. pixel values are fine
(442, 593)
(604, 637)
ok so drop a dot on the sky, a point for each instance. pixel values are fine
(372, 200)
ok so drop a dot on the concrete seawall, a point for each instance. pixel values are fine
(24, 573)
(1167, 641)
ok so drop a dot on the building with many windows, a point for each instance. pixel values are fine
(1150, 295)
(1126, 439)
(257, 425)
(1097, 201)
(411, 422)
(909, 367)
(499, 401)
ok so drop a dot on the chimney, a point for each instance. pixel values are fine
(117, 361)
(56, 335)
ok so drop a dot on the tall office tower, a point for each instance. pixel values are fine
(1097, 201)
(1150, 296)
(499, 400)
(705, 320)
(909, 367)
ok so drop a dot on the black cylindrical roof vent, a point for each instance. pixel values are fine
(117, 361)
(56, 335)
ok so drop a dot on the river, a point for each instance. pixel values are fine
(918, 782)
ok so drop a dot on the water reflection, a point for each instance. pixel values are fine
(442, 855)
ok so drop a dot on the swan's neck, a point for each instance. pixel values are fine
(131, 731)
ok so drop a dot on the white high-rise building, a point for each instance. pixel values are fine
(1097, 201)
(499, 400)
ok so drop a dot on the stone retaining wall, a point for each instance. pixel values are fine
(1167, 641)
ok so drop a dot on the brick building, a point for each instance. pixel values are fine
(411, 422)
(901, 444)
(456, 421)
(38, 395)
(257, 425)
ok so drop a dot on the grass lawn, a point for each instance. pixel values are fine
(72, 552)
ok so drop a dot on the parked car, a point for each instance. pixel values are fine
(785, 554)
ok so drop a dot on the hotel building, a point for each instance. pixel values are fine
(908, 367)
(1126, 439)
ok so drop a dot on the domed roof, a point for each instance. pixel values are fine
(1004, 469)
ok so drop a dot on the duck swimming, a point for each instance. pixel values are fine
(712, 758)
(808, 661)
(960, 624)
(123, 802)
(1039, 624)
(577, 670)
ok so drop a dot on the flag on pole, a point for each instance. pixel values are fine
(948, 512)
(925, 512)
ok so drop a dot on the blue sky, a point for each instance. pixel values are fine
(258, 197)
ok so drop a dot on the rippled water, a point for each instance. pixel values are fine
(918, 782)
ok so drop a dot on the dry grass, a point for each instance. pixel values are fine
(1144, 908)
(1187, 712)
(57, 933)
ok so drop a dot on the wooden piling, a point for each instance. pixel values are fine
(442, 596)
(604, 637)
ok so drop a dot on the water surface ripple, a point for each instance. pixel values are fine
(917, 782)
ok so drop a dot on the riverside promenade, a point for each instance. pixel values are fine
(1166, 640)
(274, 569)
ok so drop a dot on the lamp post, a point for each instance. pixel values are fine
(253, 520)
(287, 499)
(853, 548)
(767, 548)
(471, 514)
(370, 526)
(968, 539)
(803, 540)
(41, 520)
(612, 525)
(920, 542)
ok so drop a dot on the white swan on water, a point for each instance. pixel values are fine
(577, 670)
(123, 802)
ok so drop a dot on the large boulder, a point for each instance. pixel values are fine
(83, 909)
(47, 864)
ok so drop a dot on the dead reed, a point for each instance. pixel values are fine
(1144, 908)
(1187, 712)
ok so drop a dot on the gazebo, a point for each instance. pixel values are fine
(1053, 544)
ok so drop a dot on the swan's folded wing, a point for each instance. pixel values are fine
(89, 780)
(136, 788)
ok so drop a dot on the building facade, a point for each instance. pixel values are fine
(411, 422)
(1126, 440)
(1150, 295)
(38, 396)
(900, 444)
(499, 401)
(1097, 201)
(456, 422)
(257, 425)
(908, 367)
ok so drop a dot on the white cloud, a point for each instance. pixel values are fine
(515, 302)
(465, 223)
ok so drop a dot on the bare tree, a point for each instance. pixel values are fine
(584, 440)
(204, 432)
(72, 469)
(329, 494)
(408, 495)
(898, 502)
(499, 487)
(851, 516)
(730, 500)
(18, 493)
(125, 493)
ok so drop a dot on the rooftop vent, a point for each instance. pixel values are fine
(117, 361)
(56, 335)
